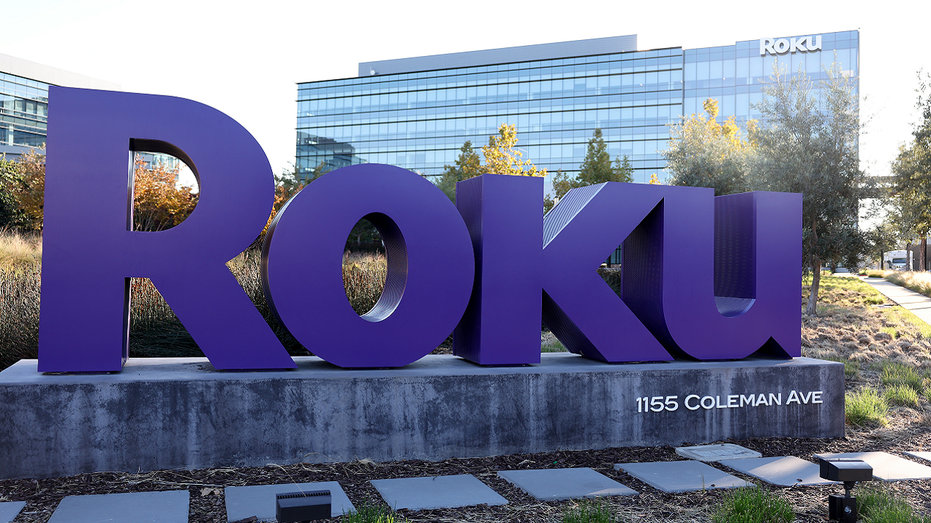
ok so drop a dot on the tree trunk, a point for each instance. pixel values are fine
(811, 308)
(922, 256)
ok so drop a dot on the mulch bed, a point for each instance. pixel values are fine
(208, 504)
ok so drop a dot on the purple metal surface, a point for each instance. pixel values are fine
(712, 277)
(578, 306)
(89, 251)
(757, 245)
(430, 266)
(501, 326)
(709, 277)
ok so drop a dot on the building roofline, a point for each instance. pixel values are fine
(524, 53)
(50, 75)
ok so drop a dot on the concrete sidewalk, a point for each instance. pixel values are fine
(917, 304)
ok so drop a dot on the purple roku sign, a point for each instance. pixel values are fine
(703, 277)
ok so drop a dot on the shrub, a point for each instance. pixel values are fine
(901, 395)
(895, 373)
(589, 511)
(19, 252)
(22, 191)
(753, 505)
(877, 504)
(158, 202)
(865, 407)
(369, 513)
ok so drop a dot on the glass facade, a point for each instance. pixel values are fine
(419, 119)
(24, 116)
(23, 111)
(24, 89)
(734, 75)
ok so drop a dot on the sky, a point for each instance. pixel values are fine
(245, 58)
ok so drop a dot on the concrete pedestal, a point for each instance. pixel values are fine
(181, 413)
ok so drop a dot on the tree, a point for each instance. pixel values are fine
(912, 181)
(703, 153)
(912, 176)
(503, 157)
(287, 185)
(882, 238)
(468, 165)
(23, 185)
(9, 209)
(596, 168)
(808, 144)
(158, 202)
(597, 161)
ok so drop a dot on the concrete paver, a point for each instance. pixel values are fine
(886, 466)
(259, 500)
(9, 510)
(920, 455)
(573, 483)
(716, 452)
(786, 471)
(139, 507)
(434, 492)
(681, 476)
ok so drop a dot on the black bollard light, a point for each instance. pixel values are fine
(850, 471)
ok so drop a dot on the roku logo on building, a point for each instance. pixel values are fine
(703, 277)
(790, 45)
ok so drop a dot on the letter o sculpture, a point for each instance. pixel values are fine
(430, 266)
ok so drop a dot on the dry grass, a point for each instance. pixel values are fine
(19, 314)
(19, 252)
(916, 281)
(364, 279)
(882, 347)
(855, 323)
(155, 331)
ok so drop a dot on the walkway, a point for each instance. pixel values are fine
(712, 469)
(916, 303)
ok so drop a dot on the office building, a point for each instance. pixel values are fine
(416, 113)
(24, 101)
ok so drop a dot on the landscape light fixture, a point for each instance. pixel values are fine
(850, 471)
(294, 507)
